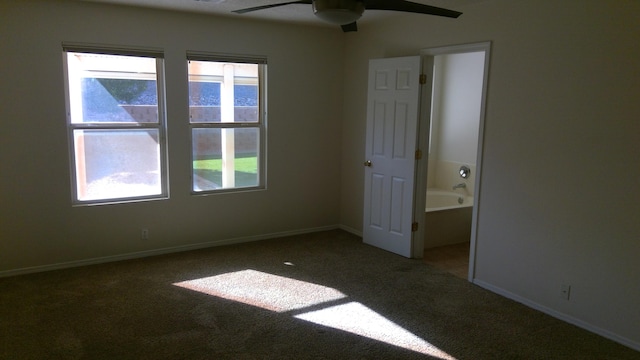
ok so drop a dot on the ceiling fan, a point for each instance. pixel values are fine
(346, 12)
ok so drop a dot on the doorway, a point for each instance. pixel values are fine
(450, 173)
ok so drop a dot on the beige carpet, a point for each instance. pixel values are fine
(318, 296)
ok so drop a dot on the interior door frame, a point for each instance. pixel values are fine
(424, 122)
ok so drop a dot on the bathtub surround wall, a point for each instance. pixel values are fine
(455, 119)
(448, 174)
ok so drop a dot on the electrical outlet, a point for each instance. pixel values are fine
(565, 291)
(144, 234)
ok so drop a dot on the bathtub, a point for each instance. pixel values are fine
(447, 218)
(438, 200)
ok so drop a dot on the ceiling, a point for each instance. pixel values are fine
(300, 13)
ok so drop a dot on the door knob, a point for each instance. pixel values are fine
(367, 163)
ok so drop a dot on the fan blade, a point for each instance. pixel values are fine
(408, 6)
(242, 11)
(350, 27)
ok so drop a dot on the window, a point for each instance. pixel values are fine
(115, 118)
(227, 123)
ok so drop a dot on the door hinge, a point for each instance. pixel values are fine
(414, 227)
(418, 154)
(423, 79)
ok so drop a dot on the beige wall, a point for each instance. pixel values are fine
(559, 202)
(38, 225)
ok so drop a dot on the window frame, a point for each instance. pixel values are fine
(260, 124)
(160, 125)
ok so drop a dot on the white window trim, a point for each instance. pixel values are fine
(160, 125)
(261, 124)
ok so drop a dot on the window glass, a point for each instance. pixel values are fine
(119, 100)
(117, 163)
(208, 169)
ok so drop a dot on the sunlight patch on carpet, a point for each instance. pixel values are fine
(267, 291)
(360, 320)
(282, 294)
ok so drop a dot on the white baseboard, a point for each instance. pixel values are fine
(162, 251)
(559, 315)
(350, 230)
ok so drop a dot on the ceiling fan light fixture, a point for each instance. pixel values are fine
(339, 12)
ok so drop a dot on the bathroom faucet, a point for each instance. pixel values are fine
(460, 186)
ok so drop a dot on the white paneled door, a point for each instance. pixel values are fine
(391, 144)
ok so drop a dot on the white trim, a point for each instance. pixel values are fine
(559, 315)
(350, 230)
(459, 49)
(227, 122)
(423, 135)
(73, 70)
(162, 251)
